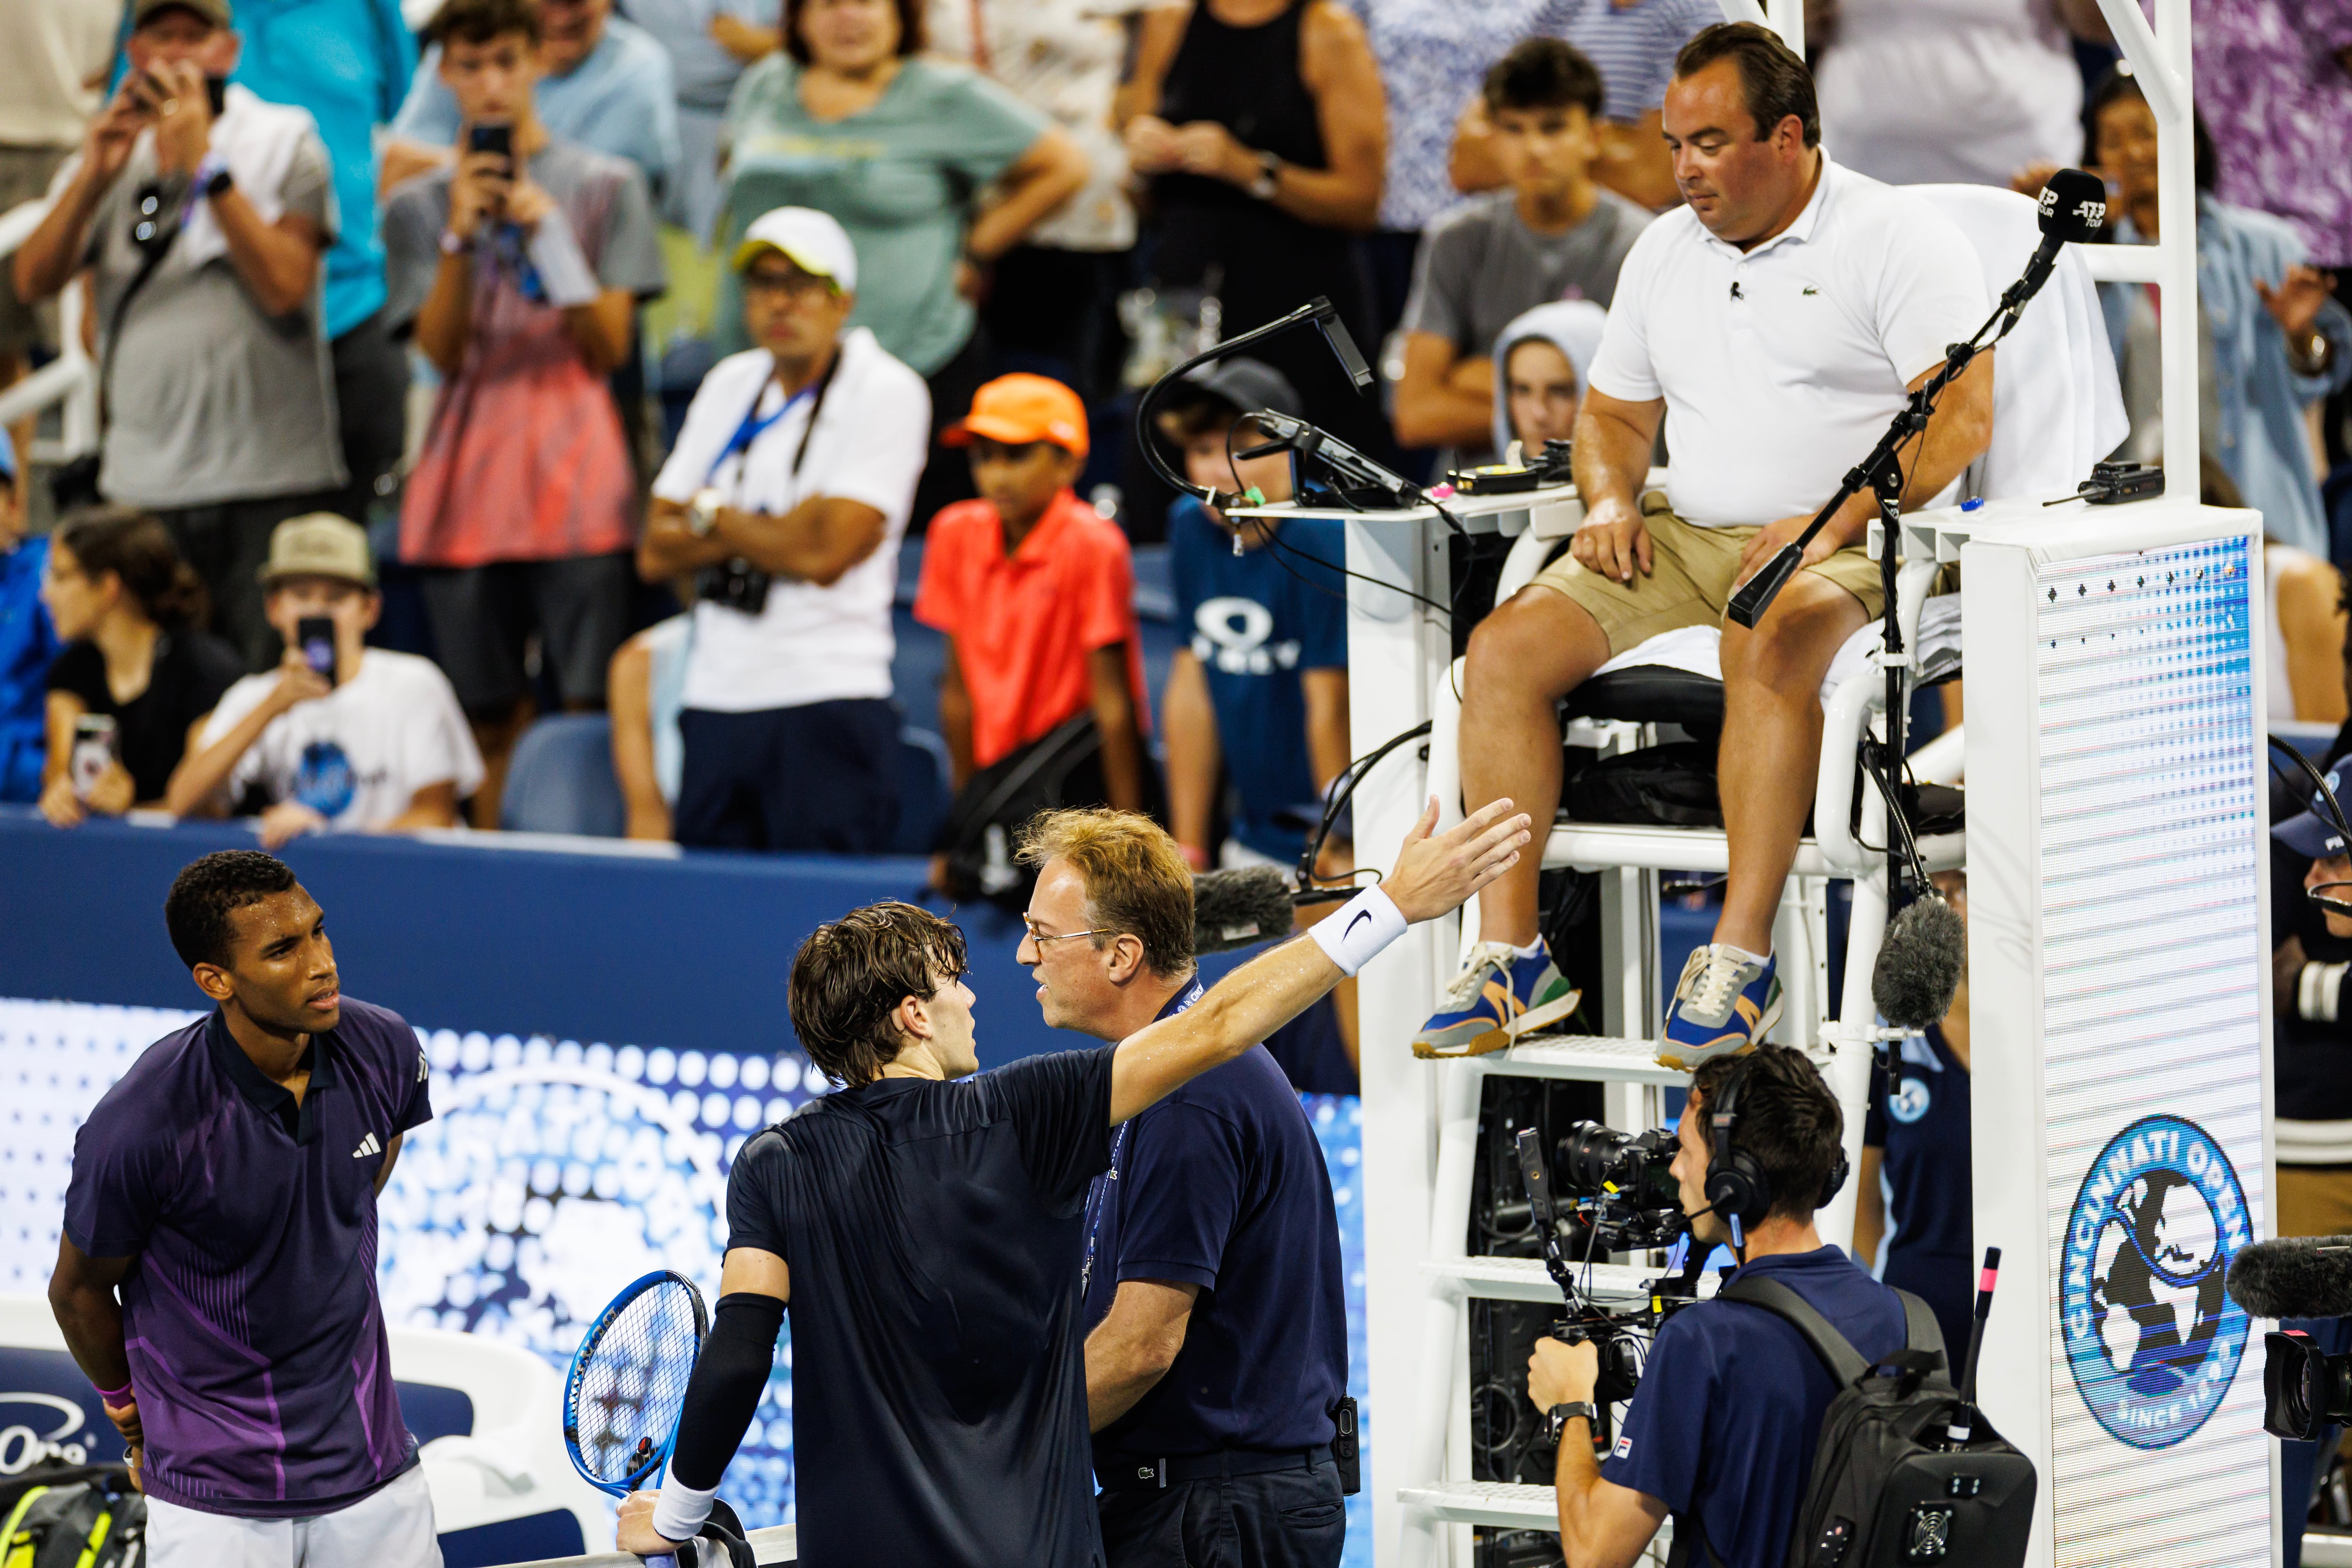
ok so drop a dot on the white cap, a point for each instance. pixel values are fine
(812, 240)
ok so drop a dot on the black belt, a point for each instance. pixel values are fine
(1126, 1475)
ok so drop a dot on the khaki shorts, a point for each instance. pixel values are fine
(1691, 574)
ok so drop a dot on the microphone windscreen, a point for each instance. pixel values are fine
(2307, 1277)
(1239, 908)
(2073, 206)
(1919, 965)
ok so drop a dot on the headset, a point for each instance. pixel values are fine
(1737, 1187)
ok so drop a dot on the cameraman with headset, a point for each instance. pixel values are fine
(1722, 1431)
(787, 494)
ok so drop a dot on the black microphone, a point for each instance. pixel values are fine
(2307, 1276)
(1919, 965)
(1335, 334)
(2072, 210)
(1234, 910)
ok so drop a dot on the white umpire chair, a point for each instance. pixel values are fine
(2057, 408)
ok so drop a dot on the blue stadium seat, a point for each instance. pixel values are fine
(562, 779)
(925, 793)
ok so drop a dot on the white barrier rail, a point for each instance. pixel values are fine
(69, 381)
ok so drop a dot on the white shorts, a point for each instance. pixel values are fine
(389, 1528)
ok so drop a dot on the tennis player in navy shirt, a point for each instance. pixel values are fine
(1217, 1330)
(1722, 1429)
(925, 1225)
(216, 1279)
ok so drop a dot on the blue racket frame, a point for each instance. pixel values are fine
(588, 1341)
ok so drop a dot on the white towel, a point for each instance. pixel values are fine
(257, 141)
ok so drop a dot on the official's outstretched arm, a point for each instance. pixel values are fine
(1432, 876)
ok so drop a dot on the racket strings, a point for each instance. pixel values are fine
(630, 1384)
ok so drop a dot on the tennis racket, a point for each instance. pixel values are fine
(626, 1385)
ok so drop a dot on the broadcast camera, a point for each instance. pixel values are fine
(1620, 1197)
(2305, 1390)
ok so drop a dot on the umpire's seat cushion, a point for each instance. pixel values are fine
(1651, 694)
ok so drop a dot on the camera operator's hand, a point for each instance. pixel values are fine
(477, 191)
(1561, 1373)
(174, 91)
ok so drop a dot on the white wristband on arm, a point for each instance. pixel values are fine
(1365, 924)
(679, 1513)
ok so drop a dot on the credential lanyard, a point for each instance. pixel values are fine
(1098, 1197)
(755, 425)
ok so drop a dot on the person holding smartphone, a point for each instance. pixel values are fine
(341, 736)
(201, 213)
(136, 680)
(518, 272)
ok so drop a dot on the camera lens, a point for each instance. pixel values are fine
(1589, 1155)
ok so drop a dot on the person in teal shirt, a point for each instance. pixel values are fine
(897, 149)
(348, 62)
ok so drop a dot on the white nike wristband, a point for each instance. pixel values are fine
(679, 1513)
(1365, 924)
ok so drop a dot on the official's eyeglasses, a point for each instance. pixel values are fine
(1040, 938)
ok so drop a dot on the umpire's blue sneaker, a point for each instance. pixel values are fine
(1725, 1000)
(1498, 997)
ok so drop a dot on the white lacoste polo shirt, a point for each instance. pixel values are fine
(1781, 366)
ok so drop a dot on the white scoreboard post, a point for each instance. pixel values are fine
(2118, 955)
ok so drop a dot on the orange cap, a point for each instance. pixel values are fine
(1020, 408)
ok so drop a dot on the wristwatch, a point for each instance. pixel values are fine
(702, 512)
(1267, 186)
(1556, 1418)
(221, 183)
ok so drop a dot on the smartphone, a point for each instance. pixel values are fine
(216, 93)
(315, 635)
(97, 746)
(494, 139)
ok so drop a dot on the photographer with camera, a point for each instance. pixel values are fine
(202, 212)
(1721, 1433)
(786, 495)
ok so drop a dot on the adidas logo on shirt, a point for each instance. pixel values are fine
(368, 1145)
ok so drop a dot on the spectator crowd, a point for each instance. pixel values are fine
(675, 360)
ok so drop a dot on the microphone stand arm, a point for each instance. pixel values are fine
(1147, 435)
(1882, 473)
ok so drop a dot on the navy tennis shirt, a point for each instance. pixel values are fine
(939, 1374)
(1723, 1426)
(1920, 1117)
(1222, 1185)
(256, 1343)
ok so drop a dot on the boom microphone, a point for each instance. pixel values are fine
(1919, 965)
(1232, 909)
(2307, 1276)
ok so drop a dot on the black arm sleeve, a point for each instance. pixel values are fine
(729, 1378)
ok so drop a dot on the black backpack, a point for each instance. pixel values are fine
(1887, 1491)
(80, 1516)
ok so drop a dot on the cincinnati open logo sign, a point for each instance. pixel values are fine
(2153, 1339)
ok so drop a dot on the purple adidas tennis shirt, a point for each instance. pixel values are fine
(256, 1343)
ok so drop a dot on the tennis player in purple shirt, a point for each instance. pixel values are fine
(216, 1279)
